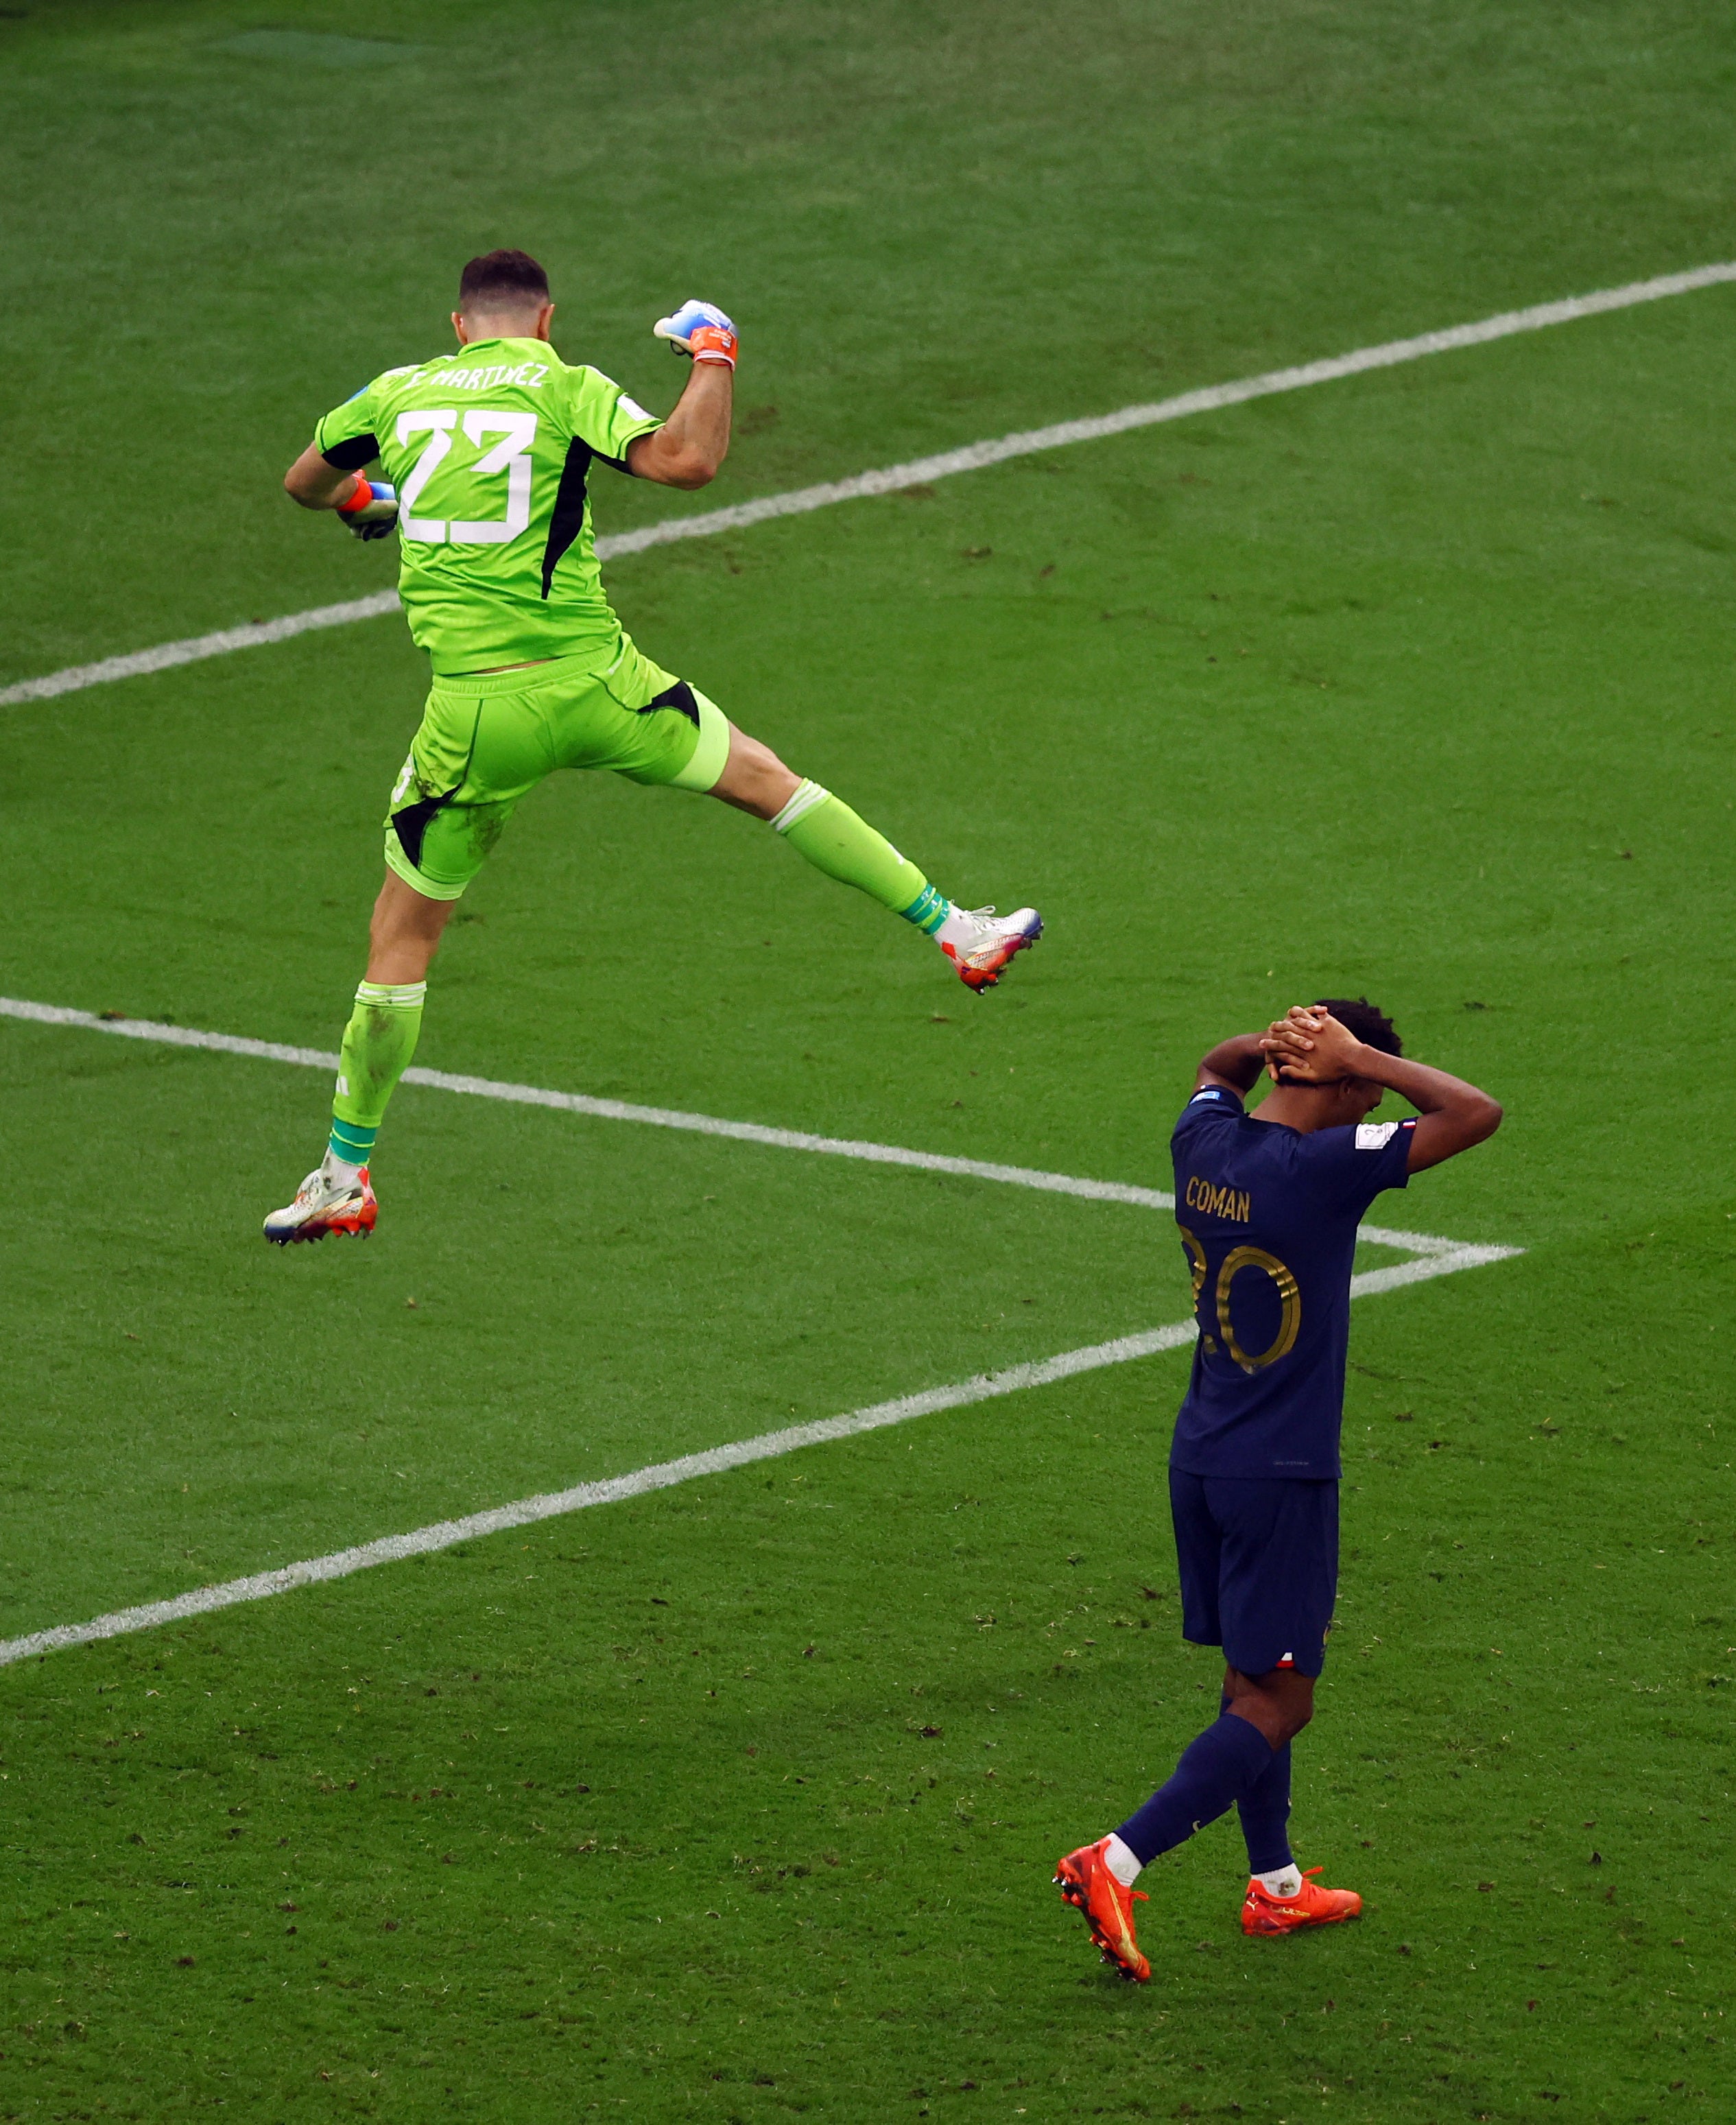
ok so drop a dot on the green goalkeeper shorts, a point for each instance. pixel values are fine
(487, 739)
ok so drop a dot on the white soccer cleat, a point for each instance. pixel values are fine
(325, 1204)
(979, 942)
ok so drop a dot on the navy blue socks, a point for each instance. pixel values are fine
(1265, 1813)
(1227, 1764)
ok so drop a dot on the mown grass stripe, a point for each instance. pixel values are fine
(1432, 1257)
(674, 1118)
(663, 1475)
(888, 479)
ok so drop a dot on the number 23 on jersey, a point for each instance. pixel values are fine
(467, 481)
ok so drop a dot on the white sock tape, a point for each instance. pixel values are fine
(807, 795)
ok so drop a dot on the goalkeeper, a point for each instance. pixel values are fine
(487, 454)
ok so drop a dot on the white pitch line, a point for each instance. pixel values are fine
(984, 1386)
(623, 1110)
(1212, 398)
(973, 457)
(252, 634)
(1432, 1256)
(661, 1476)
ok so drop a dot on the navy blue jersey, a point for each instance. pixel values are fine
(1268, 1216)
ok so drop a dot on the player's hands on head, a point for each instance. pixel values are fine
(372, 511)
(1309, 1046)
(700, 330)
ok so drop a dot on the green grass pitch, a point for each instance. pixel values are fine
(738, 1803)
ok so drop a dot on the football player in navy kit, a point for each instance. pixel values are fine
(1268, 1205)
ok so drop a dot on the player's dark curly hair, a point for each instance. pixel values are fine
(1370, 1025)
(503, 280)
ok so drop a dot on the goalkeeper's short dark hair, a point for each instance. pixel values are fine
(1372, 1026)
(503, 280)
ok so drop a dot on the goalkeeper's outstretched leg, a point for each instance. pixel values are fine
(408, 921)
(822, 828)
(380, 1037)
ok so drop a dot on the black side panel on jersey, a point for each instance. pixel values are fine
(352, 453)
(568, 520)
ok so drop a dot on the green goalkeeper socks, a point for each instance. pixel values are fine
(379, 1042)
(825, 831)
(381, 1038)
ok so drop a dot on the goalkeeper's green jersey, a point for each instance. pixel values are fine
(490, 449)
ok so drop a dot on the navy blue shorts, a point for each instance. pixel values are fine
(1260, 1566)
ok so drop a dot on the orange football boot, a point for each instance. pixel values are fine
(1311, 1905)
(1084, 1881)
